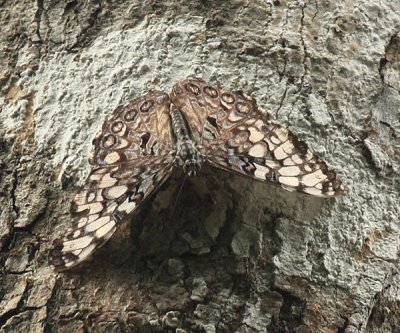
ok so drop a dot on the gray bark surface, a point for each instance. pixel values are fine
(234, 255)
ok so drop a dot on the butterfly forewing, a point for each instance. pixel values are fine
(210, 111)
(137, 129)
(236, 135)
(132, 158)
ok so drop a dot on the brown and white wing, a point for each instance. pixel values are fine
(137, 129)
(132, 158)
(236, 135)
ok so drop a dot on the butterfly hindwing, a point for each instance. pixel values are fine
(132, 158)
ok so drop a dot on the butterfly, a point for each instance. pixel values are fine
(147, 139)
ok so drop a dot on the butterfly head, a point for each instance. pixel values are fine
(191, 167)
(188, 157)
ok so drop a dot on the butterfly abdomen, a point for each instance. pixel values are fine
(187, 154)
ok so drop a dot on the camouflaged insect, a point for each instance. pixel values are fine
(146, 140)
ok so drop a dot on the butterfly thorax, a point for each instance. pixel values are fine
(187, 155)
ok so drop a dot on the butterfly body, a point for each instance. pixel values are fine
(147, 139)
(188, 155)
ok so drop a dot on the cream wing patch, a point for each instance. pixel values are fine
(116, 191)
(258, 150)
(290, 171)
(261, 171)
(97, 223)
(77, 243)
(105, 229)
(127, 206)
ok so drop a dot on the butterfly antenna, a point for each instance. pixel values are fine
(178, 196)
(207, 187)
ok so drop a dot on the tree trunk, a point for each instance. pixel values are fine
(228, 254)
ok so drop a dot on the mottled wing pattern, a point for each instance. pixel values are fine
(132, 158)
(236, 135)
(138, 129)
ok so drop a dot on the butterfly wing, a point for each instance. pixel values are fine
(136, 130)
(132, 158)
(237, 136)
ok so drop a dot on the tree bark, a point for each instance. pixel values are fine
(229, 254)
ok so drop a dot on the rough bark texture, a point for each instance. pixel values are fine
(234, 255)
